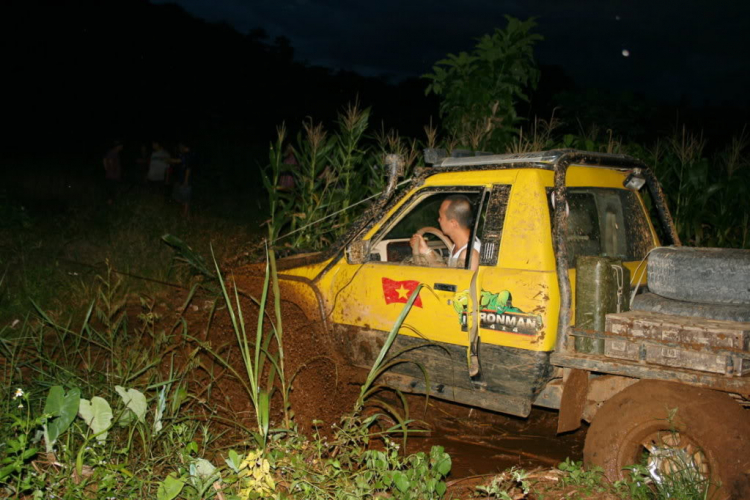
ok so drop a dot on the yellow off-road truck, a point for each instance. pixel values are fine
(583, 300)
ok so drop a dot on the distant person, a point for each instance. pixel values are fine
(113, 170)
(182, 175)
(158, 167)
(142, 162)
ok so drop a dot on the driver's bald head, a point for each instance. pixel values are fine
(459, 209)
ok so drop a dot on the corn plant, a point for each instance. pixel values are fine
(730, 216)
(705, 194)
(333, 173)
(348, 155)
(537, 137)
(279, 201)
(391, 142)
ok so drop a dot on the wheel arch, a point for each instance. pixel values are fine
(305, 294)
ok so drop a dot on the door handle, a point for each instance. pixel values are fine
(444, 287)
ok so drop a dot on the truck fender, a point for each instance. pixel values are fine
(575, 388)
(583, 395)
(305, 294)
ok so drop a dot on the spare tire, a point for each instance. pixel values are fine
(658, 304)
(707, 275)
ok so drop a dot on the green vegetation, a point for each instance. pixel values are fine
(103, 409)
(571, 480)
(479, 95)
(80, 390)
(705, 193)
(54, 256)
(103, 402)
(480, 91)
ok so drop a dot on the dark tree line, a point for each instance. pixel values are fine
(85, 71)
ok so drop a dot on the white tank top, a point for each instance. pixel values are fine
(453, 259)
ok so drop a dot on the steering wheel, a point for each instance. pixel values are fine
(416, 255)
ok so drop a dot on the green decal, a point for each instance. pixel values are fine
(496, 312)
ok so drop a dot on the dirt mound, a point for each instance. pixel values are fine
(323, 387)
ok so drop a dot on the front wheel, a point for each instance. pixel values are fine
(675, 429)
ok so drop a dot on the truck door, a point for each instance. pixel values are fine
(380, 288)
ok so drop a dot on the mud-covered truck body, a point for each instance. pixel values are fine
(566, 242)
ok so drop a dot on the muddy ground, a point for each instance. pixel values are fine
(481, 443)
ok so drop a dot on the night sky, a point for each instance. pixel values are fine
(694, 49)
(80, 73)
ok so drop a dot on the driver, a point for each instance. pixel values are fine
(455, 219)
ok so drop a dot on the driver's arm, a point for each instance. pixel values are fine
(474, 260)
(424, 249)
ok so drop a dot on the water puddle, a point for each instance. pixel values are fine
(482, 442)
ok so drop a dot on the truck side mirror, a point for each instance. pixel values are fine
(358, 252)
(635, 180)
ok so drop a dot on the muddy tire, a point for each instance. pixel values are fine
(708, 426)
(707, 275)
(658, 304)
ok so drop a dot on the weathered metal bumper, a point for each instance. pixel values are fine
(643, 370)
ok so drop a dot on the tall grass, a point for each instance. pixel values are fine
(112, 366)
(255, 352)
(53, 258)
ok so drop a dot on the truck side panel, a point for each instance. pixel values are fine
(510, 378)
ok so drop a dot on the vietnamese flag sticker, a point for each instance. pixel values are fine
(400, 291)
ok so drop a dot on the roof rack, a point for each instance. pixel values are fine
(439, 161)
(482, 158)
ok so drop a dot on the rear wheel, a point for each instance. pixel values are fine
(674, 427)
